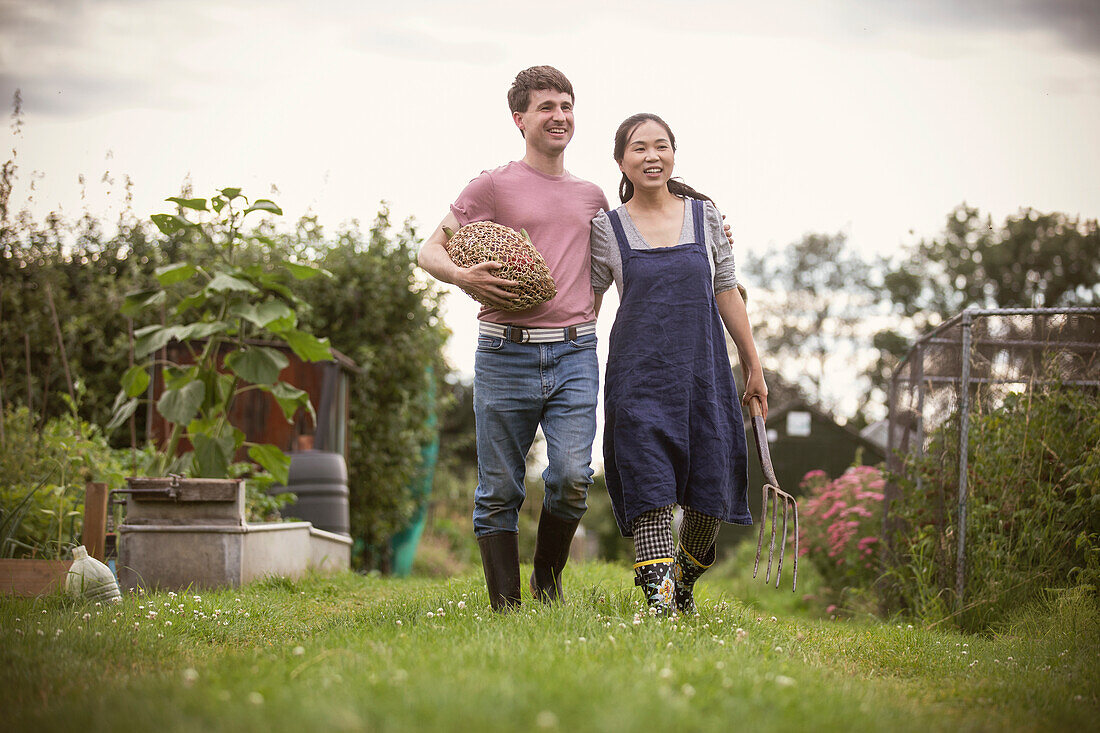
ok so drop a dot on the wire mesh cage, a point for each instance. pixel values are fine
(969, 366)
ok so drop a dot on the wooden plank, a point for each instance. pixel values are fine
(95, 519)
(32, 577)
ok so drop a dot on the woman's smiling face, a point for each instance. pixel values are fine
(649, 157)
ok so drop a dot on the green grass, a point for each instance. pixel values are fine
(368, 653)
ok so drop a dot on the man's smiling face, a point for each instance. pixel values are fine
(547, 125)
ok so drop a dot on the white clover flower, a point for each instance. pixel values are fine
(665, 673)
(255, 698)
(298, 651)
(462, 604)
(190, 676)
(783, 681)
(431, 615)
(688, 691)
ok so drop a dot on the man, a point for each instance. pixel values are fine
(536, 366)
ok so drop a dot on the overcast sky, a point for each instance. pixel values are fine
(869, 117)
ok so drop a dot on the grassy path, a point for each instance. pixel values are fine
(355, 653)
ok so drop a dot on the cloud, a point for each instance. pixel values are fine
(1076, 23)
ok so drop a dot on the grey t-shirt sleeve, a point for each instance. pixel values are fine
(603, 245)
(725, 272)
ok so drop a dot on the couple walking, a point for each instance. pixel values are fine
(673, 431)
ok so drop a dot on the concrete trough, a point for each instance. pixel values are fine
(191, 533)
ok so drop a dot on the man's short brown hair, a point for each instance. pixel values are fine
(534, 79)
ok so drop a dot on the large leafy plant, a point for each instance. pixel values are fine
(219, 306)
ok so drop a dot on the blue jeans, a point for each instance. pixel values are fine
(517, 387)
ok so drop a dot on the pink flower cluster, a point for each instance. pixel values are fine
(842, 519)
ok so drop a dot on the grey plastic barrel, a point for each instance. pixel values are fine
(320, 481)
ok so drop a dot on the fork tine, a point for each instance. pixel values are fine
(794, 585)
(783, 545)
(771, 549)
(763, 516)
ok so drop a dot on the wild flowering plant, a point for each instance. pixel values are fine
(840, 529)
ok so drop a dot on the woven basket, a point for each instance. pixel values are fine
(486, 241)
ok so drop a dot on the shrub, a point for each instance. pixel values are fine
(1033, 509)
(840, 527)
(51, 463)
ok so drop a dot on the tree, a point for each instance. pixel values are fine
(808, 312)
(378, 310)
(1032, 260)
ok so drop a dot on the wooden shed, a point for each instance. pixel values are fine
(803, 438)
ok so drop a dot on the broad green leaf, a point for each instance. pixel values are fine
(231, 193)
(257, 364)
(273, 460)
(135, 303)
(271, 282)
(262, 314)
(154, 339)
(192, 301)
(264, 205)
(181, 405)
(135, 380)
(201, 330)
(307, 346)
(218, 203)
(169, 224)
(122, 414)
(196, 204)
(304, 272)
(272, 310)
(223, 282)
(247, 311)
(281, 325)
(212, 455)
(289, 399)
(223, 387)
(175, 377)
(175, 273)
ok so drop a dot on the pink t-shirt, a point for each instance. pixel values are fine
(557, 213)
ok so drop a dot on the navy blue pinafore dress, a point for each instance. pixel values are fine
(673, 430)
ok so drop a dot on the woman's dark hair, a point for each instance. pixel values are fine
(622, 135)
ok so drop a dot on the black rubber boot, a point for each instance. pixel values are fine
(500, 559)
(655, 579)
(687, 571)
(551, 554)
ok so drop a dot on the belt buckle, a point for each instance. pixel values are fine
(522, 339)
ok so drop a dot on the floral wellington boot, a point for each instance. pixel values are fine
(655, 579)
(685, 573)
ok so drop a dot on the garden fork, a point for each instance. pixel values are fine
(774, 494)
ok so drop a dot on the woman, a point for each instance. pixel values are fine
(673, 431)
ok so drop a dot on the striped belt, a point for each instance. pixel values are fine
(521, 335)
